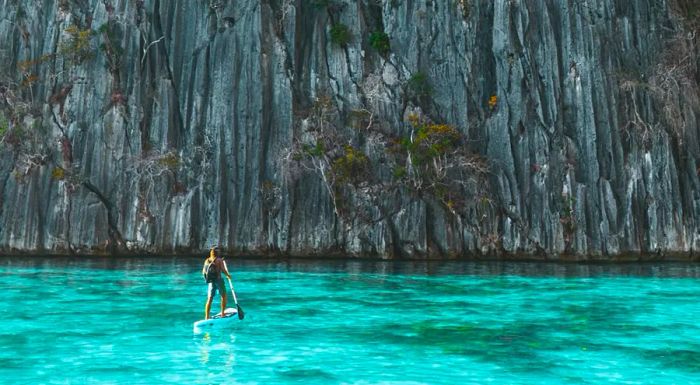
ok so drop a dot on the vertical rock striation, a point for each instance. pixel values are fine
(569, 128)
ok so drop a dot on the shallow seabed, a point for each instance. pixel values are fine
(129, 321)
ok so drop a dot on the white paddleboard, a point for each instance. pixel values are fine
(217, 321)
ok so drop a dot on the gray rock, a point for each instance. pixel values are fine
(173, 125)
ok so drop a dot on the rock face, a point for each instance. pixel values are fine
(393, 128)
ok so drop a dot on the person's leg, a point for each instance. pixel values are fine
(222, 291)
(211, 292)
(207, 307)
(223, 303)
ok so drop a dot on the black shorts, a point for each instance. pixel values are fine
(216, 285)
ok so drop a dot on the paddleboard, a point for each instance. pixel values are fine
(217, 321)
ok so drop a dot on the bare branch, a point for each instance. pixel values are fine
(148, 47)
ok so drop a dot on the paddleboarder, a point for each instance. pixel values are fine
(213, 267)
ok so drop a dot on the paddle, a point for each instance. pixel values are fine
(239, 310)
(235, 300)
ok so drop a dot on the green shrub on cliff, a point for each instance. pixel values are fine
(78, 48)
(351, 166)
(21, 13)
(340, 34)
(320, 3)
(110, 45)
(170, 161)
(429, 141)
(419, 86)
(379, 40)
(434, 161)
(4, 125)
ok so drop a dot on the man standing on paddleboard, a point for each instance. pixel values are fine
(214, 265)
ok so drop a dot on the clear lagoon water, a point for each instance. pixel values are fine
(129, 321)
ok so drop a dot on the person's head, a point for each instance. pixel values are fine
(214, 252)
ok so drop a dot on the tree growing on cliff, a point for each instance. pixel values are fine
(318, 147)
(671, 84)
(42, 142)
(21, 131)
(431, 163)
(433, 160)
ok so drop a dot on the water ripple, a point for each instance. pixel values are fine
(130, 321)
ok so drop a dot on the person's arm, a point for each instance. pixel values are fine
(226, 269)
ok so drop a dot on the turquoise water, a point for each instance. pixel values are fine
(129, 321)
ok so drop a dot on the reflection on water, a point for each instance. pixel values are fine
(221, 346)
(129, 320)
(205, 348)
(184, 265)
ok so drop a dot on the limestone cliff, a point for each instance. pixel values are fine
(394, 128)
